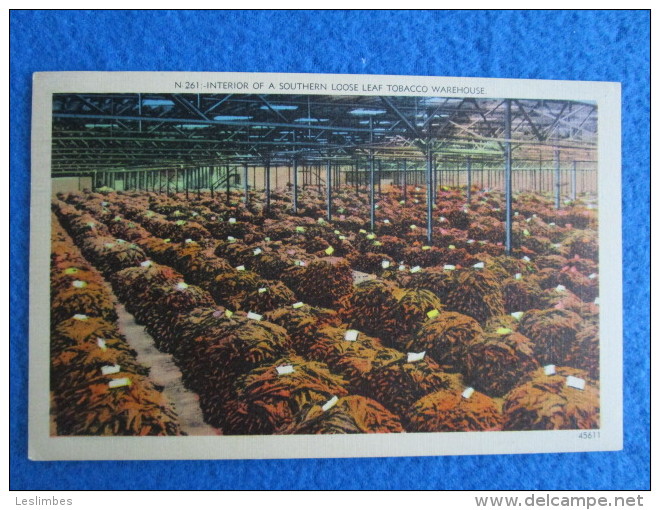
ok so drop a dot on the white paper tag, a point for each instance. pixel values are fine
(80, 317)
(560, 288)
(300, 263)
(385, 264)
(146, 263)
(470, 241)
(416, 356)
(597, 301)
(402, 267)
(254, 316)
(517, 315)
(550, 370)
(593, 276)
(467, 392)
(79, 284)
(256, 251)
(413, 227)
(575, 382)
(526, 258)
(330, 403)
(299, 304)
(118, 383)
(415, 269)
(517, 276)
(240, 268)
(387, 222)
(449, 267)
(232, 220)
(101, 343)
(285, 369)
(181, 286)
(110, 369)
(351, 335)
(231, 239)
(442, 219)
(479, 265)
(262, 290)
(189, 241)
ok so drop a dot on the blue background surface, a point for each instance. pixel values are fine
(608, 46)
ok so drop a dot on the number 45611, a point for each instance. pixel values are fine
(591, 434)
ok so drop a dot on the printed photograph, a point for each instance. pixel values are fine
(268, 264)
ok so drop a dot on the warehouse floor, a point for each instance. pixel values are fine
(165, 373)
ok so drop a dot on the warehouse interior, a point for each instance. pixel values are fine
(409, 263)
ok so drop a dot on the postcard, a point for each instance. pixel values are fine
(229, 265)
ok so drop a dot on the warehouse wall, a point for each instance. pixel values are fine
(66, 184)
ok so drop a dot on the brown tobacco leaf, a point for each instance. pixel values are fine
(267, 401)
(497, 363)
(446, 338)
(354, 414)
(547, 403)
(449, 411)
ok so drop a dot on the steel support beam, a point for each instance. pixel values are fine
(328, 189)
(429, 195)
(507, 174)
(246, 186)
(295, 186)
(557, 180)
(372, 198)
(574, 181)
(468, 167)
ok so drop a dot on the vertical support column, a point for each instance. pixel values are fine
(405, 180)
(267, 179)
(246, 186)
(197, 178)
(557, 180)
(328, 190)
(372, 201)
(356, 176)
(295, 186)
(380, 178)
(429, 195)
(176, 180)
(187, 181)
(507, 175)
(574, 181)
(469, 179)
(227, 185)
(167, 182)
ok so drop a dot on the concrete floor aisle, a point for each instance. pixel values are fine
(165, 373)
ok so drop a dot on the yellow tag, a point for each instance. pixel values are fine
(329, 250)
(426, 247)
(228, 313)
(433, 313)
(503, 331)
